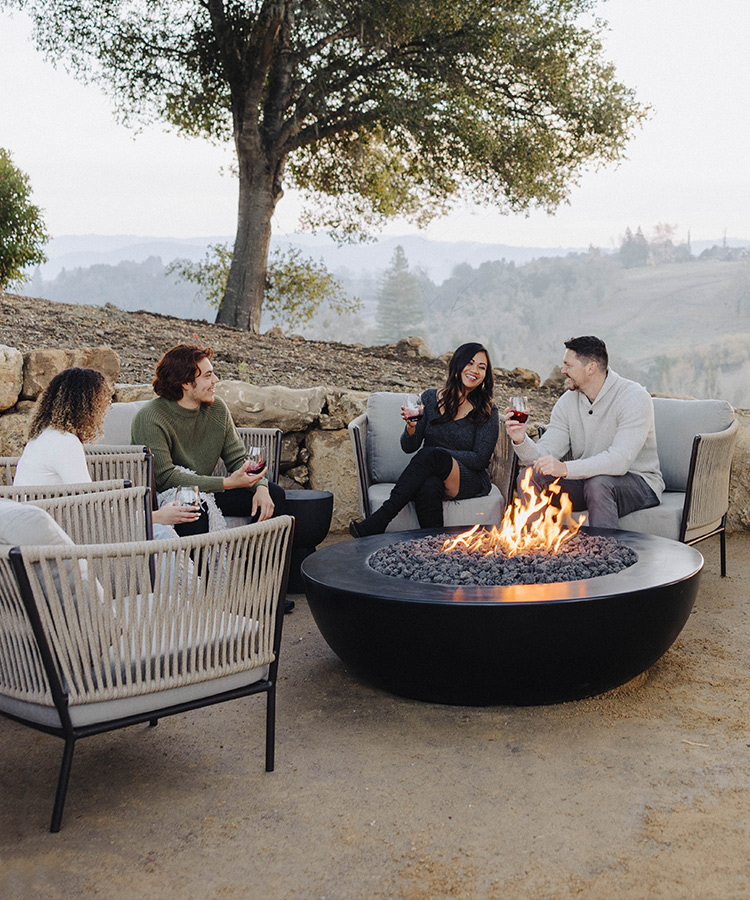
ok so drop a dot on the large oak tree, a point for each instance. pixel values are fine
(374, 108)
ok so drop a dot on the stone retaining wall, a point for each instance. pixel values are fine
(316, 450)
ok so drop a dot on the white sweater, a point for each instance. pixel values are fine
(54, 457)
(611, 436)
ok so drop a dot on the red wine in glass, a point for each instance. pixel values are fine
(255, 461)
(520, 409)
(413, 407)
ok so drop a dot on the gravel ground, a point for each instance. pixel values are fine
(643, 792)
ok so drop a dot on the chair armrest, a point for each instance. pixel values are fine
(358, 435)
(707, 489)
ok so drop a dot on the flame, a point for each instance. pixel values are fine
(532, 528)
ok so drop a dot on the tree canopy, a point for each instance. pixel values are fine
(22, 231)
(374, 108)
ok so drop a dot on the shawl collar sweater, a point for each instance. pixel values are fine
(611, 436)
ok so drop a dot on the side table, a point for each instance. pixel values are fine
(312, 511)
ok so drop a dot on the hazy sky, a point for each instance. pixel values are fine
(687, 166)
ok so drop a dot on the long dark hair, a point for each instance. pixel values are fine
(76, 400)
(481, 397)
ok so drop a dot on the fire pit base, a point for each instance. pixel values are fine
(519, 645)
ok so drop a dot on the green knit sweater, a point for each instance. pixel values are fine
(192, 438)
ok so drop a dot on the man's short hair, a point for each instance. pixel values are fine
(591, 349)
(178, 366)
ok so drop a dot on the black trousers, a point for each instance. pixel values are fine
(236, 502)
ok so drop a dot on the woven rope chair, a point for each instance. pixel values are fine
(51, 491)
(143, 630)
(103, 517)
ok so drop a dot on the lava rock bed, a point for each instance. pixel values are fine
(583, 556)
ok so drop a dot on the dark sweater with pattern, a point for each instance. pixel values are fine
(469, 443)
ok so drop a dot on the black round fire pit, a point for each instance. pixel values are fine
(518, 645)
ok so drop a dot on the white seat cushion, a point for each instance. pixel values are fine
(663, 520)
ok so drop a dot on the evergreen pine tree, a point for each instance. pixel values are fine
(400, 312)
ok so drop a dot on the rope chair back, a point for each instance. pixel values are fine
(33, 492)
(103, 517)
(134, 464)
(125, 620)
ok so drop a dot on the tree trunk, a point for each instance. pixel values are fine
(242, 303)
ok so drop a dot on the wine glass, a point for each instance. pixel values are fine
(189, 495)
(520, 409)
(413, 407)
(255, 462)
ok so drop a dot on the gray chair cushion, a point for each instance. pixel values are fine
(677, 423)
(117, 422)
(24, 525)
(476, 510)
(663, 520)
(385, 458)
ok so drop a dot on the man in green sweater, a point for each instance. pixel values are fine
(188, 429)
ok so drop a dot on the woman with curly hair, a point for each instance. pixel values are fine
(70, 413)
(456, 434)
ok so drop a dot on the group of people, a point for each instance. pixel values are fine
(600, 443)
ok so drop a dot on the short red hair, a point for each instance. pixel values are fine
(179, 366)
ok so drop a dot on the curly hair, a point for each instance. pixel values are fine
(481, 398)
(76, 400)
(178, 366)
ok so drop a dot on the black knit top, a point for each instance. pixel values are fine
(469, 443)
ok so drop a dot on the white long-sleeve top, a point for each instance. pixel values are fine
(611, 436)
(53, 457)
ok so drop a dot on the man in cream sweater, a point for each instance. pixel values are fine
(606, 423)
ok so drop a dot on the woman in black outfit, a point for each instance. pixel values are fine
(457, 435)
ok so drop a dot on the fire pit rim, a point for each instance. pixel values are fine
(654, 554)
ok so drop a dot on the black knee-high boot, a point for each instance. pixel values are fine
(427, 462)
(429, 502)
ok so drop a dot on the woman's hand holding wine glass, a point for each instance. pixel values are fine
(412, 410)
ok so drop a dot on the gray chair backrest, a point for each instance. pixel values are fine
(385, 458)
(117, 422)
(677, 423)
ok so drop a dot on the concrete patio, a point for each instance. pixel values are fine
(642, 792)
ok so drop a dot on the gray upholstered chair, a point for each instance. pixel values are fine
(98, 637)
(695, 441)
(379, 461)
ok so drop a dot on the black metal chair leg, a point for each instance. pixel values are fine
(152, 723)
(62, 785)
(723, 552)
(270, 729)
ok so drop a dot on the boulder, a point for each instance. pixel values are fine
(331, 468)
(41, 366)
(127, 393)
(290, 409)
(555, 381)
(342, 406)
(416, 346)
(11, 376)
(739, 489)
(290, 444)
(14, 428)
(525, 378)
